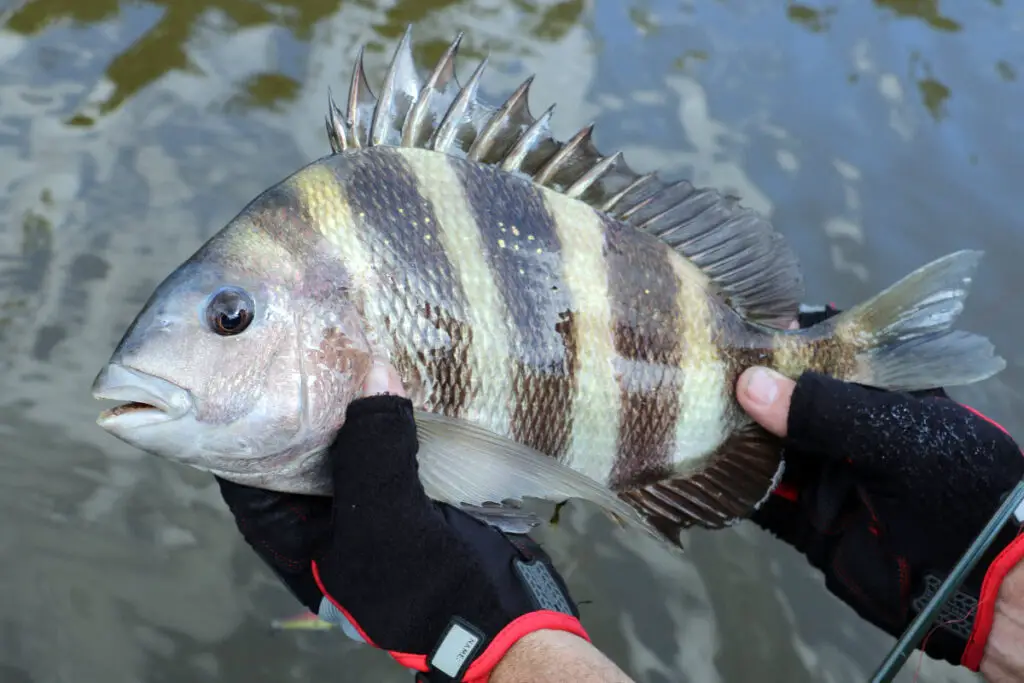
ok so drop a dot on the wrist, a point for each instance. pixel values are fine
(1000, 600)
(1003, 660)
(556, 656)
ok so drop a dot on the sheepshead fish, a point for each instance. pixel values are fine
(566, 327)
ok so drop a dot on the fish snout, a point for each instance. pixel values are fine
(146, 399)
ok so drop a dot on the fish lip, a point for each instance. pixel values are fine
(119, 382)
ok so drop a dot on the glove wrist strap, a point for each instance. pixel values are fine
(464, 653)
(479, 670)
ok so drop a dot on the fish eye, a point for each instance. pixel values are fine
(229, 311)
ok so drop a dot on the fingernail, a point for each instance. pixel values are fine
(762, 386)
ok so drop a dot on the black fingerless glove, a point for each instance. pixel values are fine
(884, 491)
(444, 593)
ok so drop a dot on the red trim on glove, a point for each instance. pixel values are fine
(408, 660)
(1011, 556)
(542, 620)
(323, 589)
(988, 419)
(480, 670)
(787, 491)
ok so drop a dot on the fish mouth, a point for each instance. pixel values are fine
(147, 399)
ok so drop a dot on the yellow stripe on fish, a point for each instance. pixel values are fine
(597, 414)
(457, 232)
(704, 400)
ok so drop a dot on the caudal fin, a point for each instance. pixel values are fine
(903, 335)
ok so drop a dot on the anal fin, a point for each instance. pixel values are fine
(738, 478)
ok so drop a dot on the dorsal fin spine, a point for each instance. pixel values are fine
(440, 77)
(336, 133)
(614, 200)
(440, 114)
(517, 102)
(527, 141)
(556, 162)
(401, 75)
(587, 180)
(448, 127)
(358, 91)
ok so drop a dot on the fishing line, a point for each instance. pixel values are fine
(1012, 508)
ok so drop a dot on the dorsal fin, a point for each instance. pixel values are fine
(744, 257)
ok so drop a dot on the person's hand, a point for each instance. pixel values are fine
(1003, 660)
(443, 592)
(883, 491)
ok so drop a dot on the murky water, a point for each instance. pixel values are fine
(879, 136)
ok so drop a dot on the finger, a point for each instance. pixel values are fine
(373, 461)
(383, 379)
(766, 396)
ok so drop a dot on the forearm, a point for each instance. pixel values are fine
(1003, 661)
(556, 656)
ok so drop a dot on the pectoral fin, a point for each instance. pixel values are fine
(507, 516)
(462, 464)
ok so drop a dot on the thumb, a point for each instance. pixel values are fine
(765, 395)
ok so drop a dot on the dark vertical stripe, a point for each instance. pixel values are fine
(646, 437)
(739, 358)
(428, 319)
(832, 355)
(522, 249)
(740, 346)
(645, 314)
(543, 399)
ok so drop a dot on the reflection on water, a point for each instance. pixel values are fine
(878, 137)
(813, 19)
(166, 28)
(926, 10)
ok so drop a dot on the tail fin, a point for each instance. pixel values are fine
(903, 336)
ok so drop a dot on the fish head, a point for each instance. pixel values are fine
(243, 360)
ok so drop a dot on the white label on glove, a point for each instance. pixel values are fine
(458, 645)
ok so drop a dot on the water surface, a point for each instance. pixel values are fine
(877, 135)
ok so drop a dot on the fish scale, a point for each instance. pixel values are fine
(565, 326)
